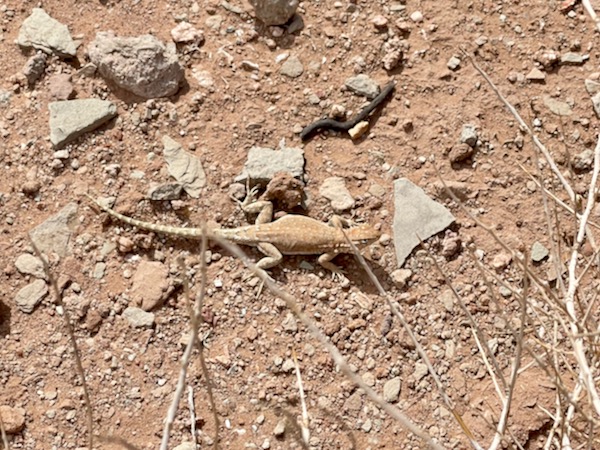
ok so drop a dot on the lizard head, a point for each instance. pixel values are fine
(362, 235)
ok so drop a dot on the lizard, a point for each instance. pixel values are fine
(291, 234)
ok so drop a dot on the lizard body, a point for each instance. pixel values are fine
(290, 235)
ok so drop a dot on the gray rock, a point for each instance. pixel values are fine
(538, 252)
(44, 33)
(30, 265)
(292, 67)
(416, 216)
(184, 167)
(468, 135)
(274, 12)
(54, 235)
(573, 59)
(167, 191)
(289, 323)
(453, 63)
(263, 163)
(391, 390)
(596, 104)
(592, 87)
(35, 67)
(557, 107)
(70, 119)
(536, 75)
(583, 161)
(334, 189)
(363, 85)
(401, 276)
(31, 295)
(279, 428)
(142, 65)
(138, 318)
(420, 371)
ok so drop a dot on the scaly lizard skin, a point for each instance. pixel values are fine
(290, 235)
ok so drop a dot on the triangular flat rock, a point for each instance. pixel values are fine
(43, 32)
(415, 216)
(71, 118)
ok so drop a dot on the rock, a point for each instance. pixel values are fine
(142, 65)
(501, 261)
(391, 390)
(44, 33)
(468, 135)
(416, 17)
(536, 75)
(186, 33)
(573, 59)
(538, 252)
(334, 189)
(358, 130)
(289, 323)
(583, 161)
(184, 167)
(363, 85)
(31, 295)
(292, 67)
(138, 318)
(460, 152)
(279, 428)
(451, 244)
(401, 276)
(353, 404)
(203, 77)
(557, 107)
(60, 87)
(186, 446)
(166, 191)
(596, 104)
(30, 265)
(71, 118)
(592, 87)
(274, 12)
(54, 235)
(13, 419)
(379, 22)
(393, 51)
(297, 24)
(420, 371)
(460, 189)
(263, 163)
(453, 63)
(35, 67)
(147, 294)
(417, 217)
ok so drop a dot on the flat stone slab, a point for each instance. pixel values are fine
(44, 33)
(71, 118)
(416, 216)
(263, 163)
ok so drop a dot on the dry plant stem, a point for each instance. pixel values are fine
(578, 343)
(337, 357)
(417, 344)
(75, 348)
(304, 423)
(522, 123)
(192, 416)
(3, 432)
(590, 10)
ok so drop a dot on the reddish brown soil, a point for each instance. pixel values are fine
(132, 373)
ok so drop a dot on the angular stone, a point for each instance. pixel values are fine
(31, 295)
(263, 163)
(274, 12)
(417, 217)
(71, 118)
(54, 234)
(43, 32)
(142, 65)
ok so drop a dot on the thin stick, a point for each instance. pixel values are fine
(192, 415)
(67, 322)
(304, 422)
(3, 432)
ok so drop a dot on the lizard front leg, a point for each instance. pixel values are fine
(263, 208)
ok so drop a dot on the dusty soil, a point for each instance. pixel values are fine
(132, 372)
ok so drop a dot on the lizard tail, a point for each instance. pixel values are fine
(195, 233)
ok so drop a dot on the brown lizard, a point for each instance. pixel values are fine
(289, 235)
